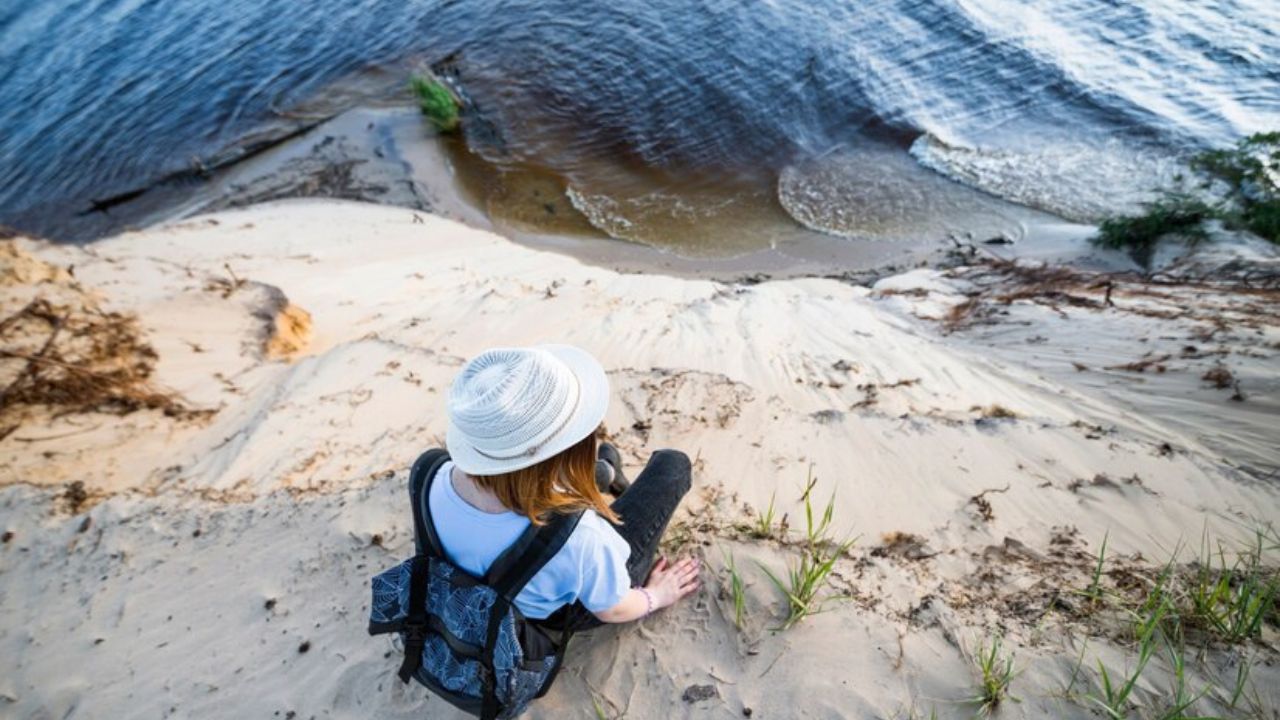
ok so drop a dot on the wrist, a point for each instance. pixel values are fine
(651, 603)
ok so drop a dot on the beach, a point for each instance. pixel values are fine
(985, 429)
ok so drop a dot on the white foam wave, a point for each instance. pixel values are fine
(1073, 179)
(879, 193)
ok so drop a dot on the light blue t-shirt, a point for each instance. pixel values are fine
(591, 567)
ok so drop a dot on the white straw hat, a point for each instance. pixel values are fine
(511, 408)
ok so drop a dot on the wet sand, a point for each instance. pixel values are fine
(387, 155)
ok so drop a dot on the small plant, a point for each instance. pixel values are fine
(736, 591)
(437, 102)
(1232, 601)
(1182, 701)
(1242, 680)
(1158, 609)
(996, 671)
(1115, 693)
(1172, 214)
(763, 527)
(1251, 171)
(1245, 699)
(806, 579)
(1094, 593)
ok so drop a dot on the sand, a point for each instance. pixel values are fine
(981, 429)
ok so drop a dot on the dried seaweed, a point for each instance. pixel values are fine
(78, 358)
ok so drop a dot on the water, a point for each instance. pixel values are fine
(660, 117)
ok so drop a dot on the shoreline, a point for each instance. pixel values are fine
(979, 464)
(384, 154)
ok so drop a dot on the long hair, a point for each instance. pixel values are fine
(562, 483)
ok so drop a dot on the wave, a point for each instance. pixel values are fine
(879, 193)
(1073, 179)
(1078, 107)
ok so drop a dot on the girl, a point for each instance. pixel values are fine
(522, 441)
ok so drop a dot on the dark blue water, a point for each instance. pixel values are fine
(1061, 104)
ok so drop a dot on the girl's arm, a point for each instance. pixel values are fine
(667, 585)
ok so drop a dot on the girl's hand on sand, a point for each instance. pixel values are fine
(668, 583)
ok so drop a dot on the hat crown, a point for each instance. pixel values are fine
(507, 402)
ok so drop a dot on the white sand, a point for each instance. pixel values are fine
(304, 463)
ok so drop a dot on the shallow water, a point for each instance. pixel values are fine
(667, 121)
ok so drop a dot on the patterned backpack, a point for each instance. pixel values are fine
(464, 638)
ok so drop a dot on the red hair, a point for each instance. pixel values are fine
(563, 483)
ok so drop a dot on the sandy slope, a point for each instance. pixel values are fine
(157, 605)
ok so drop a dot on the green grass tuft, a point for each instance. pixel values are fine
(1094, 593)
(996, 674)
(1232, 599)
(437, 102)
(763, 528)
(1182, 701)
(806, 579)
(737, 591)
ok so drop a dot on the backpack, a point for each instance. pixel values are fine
(464, 638)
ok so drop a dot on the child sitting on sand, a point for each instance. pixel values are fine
(517, 505)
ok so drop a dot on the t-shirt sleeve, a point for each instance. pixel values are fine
(604, 554)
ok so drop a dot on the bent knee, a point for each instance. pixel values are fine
(675, 465)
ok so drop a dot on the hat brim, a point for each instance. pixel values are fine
(593, 403)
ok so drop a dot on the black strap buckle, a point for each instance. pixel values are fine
(415, 640)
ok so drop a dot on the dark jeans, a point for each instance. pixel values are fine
(645, 508)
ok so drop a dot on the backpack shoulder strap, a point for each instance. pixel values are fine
(535, 547)
(426, 539)
(426, 542)
(507, 576)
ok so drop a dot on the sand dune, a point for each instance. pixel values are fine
(981, 431)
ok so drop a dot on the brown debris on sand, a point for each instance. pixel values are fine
(994, 412)
(1219, 376)
(1000, 283)
(905, 545)
(61, 351)
(983, 505)
(78, 359)
(1148, 361)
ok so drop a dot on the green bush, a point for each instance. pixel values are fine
(1252, 201)
(1250, 169)
(437, 102)
(1173, 214)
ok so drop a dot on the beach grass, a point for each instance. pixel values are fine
(1232, 599)
(1094, 592)
(737, 591)
(806, 578)
(1113, 690)
(1222, 598)
(996, 672)
(437, 102)
(1182, 702)
(763, 527)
